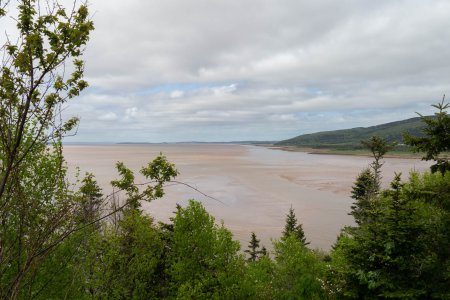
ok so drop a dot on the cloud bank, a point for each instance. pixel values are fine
(183, 70)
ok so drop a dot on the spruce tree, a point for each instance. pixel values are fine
(403, 252)
(291, 228)
(91, 199)
(368, 182)
(436, 140)
(253, 248)
(363, 190)
(264, 251)
(378, 147)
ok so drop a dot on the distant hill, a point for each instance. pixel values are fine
(351, 138)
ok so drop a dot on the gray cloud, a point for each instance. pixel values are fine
(169, 70)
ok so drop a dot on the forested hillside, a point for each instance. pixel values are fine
(351, 138)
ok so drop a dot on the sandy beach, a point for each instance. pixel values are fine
(255, 186)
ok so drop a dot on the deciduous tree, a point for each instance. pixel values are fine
(205, 260)
(36, 206)
(298, 271)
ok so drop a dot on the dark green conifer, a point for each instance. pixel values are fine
(436, 142)
(378, 147)
(91, 199)
(291, 227)
(363, 190)
(253, 248)
(264, 251)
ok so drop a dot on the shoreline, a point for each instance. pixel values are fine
(362, 153)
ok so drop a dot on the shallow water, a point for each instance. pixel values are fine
(254, 186)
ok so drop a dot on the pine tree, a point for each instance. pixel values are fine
(253, 248)
(291, 228)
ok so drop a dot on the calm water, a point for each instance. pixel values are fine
(255, 186)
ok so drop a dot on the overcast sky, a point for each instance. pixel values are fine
(207, 70)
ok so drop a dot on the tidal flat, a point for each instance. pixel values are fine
(250, 188)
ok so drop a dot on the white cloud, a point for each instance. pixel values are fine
(131, 112)
(109, 116)
(259, 69)
(176, 94)
(283, 118)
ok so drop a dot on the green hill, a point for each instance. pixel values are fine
(351, 138)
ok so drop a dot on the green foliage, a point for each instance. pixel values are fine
(292, 228)
(401, 248)
(126, 183)
(124, 263)
(258, 282)
(60, 276)
(158, 171)
(52, 245)
(368, 182)
(403, 252)
(127, 259)
(299, 273)
(436, 140)
(296, 273)
(350, 138)
(37, 209)
(363, 191)
(253, 248)
(378, 147)
(91, 199)
(205, 260)
(264, 251)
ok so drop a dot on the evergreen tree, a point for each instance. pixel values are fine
(253, 248)
(91, 199)
(378, 147)
(123, 263)
(436, 140)
(368, 182)
(403, 252)
(264, 252)
(291, 228)
(363, 190)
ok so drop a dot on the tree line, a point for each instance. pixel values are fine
(62, 240)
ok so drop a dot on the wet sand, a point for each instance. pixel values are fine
(255, 185)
